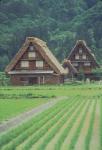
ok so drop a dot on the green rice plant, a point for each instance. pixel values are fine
(45, 129)
(100, 122)
(17, 131)
(68, 128)
(33, 129)
(90, 129)
(34, 123)
(44, 113)
(58, 126)
(78, 130)
(18, 135)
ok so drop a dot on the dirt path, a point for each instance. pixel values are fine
(95, 140)
(14, 122)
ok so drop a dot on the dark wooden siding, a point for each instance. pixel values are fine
(48, 79)
(32, 62)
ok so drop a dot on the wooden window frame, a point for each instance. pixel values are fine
(77, 56)
(87, 64)
(26, 62)
(39, 64)
(31, 54)
(75, 64)
(80, 51)
(84, 56)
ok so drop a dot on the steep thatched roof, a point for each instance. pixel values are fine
(83, 44)
(67, 64)
(42, 48)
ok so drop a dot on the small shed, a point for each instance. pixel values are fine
(70, 69)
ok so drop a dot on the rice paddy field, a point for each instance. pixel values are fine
(73, 123)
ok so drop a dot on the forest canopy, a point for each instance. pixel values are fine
(59, 22)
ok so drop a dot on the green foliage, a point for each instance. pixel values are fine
(60, 23)
(4, 80)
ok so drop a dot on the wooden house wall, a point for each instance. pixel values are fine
(76, 51)
(81, 61)
(32, 62)
(48, 79)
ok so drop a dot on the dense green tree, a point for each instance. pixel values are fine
(90, 3)
(3, 62)
(59, 22)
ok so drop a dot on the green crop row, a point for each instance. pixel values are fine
(62, 121)
(78, 130)
(14, 133)
(70, 125)
(32, 129)
(17, 133)
(43, 130)
(50, 91)
(100, 122)
(90, 129)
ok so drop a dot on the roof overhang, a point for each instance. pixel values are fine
(30, 72)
